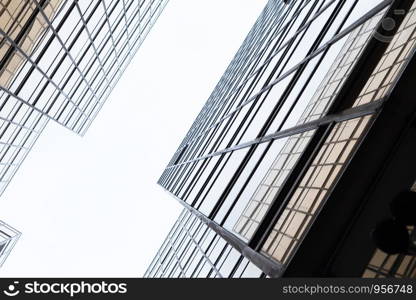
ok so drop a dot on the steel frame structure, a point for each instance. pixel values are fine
(60, 60)
(8, 238)
(279, 140)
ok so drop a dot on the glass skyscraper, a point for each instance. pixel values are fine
(297, 154)
(8, 238)
(60, 60)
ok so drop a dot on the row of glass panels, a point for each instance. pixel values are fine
(241, 188)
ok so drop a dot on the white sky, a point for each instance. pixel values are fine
(91, 206)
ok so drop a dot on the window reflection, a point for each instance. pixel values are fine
(383, 265)
(309, 195)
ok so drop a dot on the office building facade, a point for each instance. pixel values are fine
(292, 165)
(60, 60)
(8, 238)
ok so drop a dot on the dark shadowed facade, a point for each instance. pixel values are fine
(300, 150)
(60, 60)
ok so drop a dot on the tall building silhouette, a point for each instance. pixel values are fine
(293, 163)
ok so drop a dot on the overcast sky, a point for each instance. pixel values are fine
(90, 206)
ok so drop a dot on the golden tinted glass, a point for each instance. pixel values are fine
(316, 183)
(393, 60)
(14, 14)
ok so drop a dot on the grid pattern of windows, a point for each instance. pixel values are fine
(60, 60)
(339, 146)
(308, 197)
(268, 188)
(20, 124)
(383, 265)
(205, 167)
(318, 105)
(193, 250)
(89, 45)
(8, 238)
(13, 15)
(286, 118)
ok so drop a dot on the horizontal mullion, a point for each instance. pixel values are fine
(324, 47)
(345, 115)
